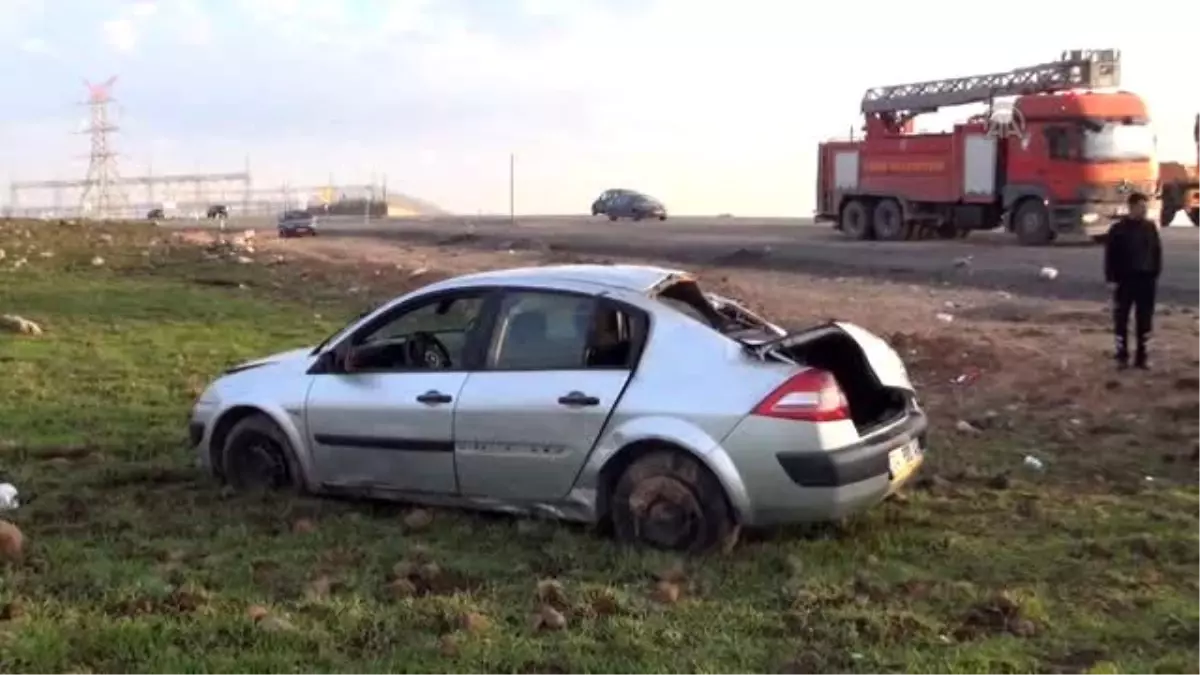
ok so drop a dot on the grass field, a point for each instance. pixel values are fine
(135, 561)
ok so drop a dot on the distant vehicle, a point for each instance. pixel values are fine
(619, 203)
(1181, 185)
(297, 224)
(155, 214)
(515, 390)
(1060, 160)
(218, 211)
(601, 203)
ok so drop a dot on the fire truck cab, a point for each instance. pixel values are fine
(1060, 158)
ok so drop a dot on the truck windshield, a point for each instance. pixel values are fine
(1116, 141)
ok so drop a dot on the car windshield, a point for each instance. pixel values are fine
(1109, 141)
(321, 345)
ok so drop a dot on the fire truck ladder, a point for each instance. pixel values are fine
(1075, 69)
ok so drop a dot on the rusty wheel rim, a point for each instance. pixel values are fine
(666, 512)
(260, 464)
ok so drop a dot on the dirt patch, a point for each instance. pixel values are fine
(1001, 614)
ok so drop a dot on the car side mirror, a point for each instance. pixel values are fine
(326, 363)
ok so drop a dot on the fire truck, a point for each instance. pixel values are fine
(1060, 158)
(1181, 185)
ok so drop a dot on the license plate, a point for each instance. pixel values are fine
(904, 460)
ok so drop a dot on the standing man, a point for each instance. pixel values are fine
(1132, 263)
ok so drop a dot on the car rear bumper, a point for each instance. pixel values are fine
(791, 486)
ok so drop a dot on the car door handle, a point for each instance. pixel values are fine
(578, 398)
(433, 397)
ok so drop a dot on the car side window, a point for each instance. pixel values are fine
(443, 325)
(538, 330)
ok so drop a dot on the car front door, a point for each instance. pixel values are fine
(526, 422)
(381, 415)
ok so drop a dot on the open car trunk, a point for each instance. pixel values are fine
(868, 370)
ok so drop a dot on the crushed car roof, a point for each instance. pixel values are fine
(640, 278)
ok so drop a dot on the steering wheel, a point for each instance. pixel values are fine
(425, 349)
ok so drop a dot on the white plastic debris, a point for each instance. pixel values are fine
(8, 497)
(944, 317)
(965, 427)
(1034, 463)
(1048, 273)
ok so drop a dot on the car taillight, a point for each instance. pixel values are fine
(811, 395)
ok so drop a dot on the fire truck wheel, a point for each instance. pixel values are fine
(1032, 223)
(855, 222)
(889, 221)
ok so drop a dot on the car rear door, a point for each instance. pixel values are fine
(526, 422)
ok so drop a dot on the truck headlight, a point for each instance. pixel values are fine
(1089, 218)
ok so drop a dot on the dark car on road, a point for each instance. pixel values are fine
(620, 203)
(297, 224)
(218, 211)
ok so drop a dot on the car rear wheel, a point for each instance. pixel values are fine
(258, 456)
(669, 500)
(612, 218)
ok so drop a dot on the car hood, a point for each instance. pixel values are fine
(301, 356)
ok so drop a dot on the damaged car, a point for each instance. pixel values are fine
(618, 395)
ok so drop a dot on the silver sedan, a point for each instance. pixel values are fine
(609, 394)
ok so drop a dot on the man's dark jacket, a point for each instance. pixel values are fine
(1132, 251)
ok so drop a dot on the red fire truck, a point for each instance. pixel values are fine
(1060, 159)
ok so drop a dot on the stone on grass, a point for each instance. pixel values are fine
(17, 324)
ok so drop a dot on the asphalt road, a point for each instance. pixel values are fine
(985, 259)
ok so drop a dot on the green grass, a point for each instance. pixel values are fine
(135, 561)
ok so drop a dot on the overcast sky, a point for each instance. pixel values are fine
(711, 106)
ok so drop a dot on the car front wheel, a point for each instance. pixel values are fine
(668, 500)
(259, 456)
